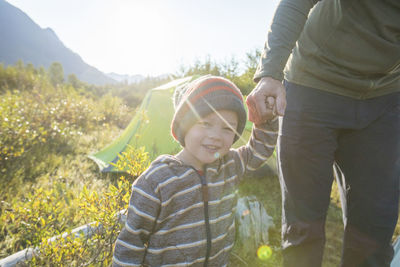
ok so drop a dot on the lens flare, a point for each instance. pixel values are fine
(216, 155)
(264, 252)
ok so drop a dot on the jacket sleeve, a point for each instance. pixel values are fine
(259, 148)
(286, 27)
(144, 206)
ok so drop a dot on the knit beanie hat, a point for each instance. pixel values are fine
(201, 97)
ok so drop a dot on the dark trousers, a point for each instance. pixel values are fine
(358, 140)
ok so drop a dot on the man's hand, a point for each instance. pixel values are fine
(261, 106)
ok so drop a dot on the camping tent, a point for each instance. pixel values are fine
(150, 127)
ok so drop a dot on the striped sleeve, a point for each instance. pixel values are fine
(144, 206)
(260, 146)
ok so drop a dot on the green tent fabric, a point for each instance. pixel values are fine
(150, 127)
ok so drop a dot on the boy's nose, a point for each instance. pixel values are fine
(214, 134)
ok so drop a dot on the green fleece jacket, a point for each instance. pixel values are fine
(347, 47)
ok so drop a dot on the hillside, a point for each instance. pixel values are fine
(125, 78)
(23, 39)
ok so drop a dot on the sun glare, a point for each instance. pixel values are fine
(138, 27)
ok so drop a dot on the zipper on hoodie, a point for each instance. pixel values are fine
(204, 190)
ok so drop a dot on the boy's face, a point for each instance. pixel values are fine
(209, 138)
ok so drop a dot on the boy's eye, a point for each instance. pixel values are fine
(228, 129)
(204, 123)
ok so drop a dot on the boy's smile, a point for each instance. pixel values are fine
(209, 138)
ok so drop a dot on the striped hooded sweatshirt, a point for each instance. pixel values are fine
(166, 223)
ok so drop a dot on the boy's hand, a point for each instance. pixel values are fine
(261, 107)
(254, 116)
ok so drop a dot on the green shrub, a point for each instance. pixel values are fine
(41, 213)
(38, 124)
(33, 220)
(99, 209)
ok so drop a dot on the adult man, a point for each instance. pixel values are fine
(342, 84)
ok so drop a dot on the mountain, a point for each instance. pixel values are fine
(125, 77)
(22, 39)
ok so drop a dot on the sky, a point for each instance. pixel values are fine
(154, 37)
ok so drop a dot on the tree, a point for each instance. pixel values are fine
(56, 73)
(74, 81)
(245, 81)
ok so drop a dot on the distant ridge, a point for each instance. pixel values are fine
(125, 78)
(23, 39)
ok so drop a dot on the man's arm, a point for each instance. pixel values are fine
(287, 25)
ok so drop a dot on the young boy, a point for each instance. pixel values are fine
(182, 208)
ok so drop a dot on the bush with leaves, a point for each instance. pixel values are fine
(41, 213)
(32, 221)
(99, 210)
(44, 120)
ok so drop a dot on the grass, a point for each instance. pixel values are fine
(267, 190)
